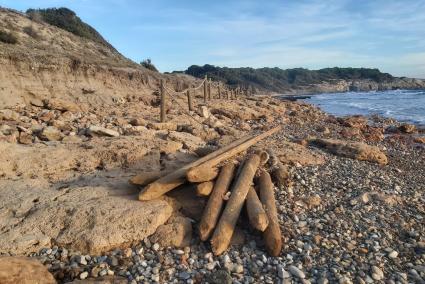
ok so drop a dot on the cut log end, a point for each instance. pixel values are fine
(201, 174)
(205, 188)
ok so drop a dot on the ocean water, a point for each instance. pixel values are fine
(403, 105)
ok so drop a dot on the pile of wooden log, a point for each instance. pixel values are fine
(228, 188)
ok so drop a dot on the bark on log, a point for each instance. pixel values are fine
(215, 202)
(256, 214)
(272, 235)
(205, 188)
(205, 174)
(224, 230)
(174, 179)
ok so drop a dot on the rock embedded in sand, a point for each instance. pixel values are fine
(61, 105)
(97, 130)
(22, 270)
(177, 232)
(407, 128)
(354, 150)
(190, 142)
(51, 133)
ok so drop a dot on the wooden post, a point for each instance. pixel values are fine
(215, 202)
(272, 235)
(163, 117)
(223, 233)
(205, 88)
(219, 91)
(209, 89)
(189, 100)
(256, 214)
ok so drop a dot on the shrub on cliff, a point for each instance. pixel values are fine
(147, 63)
(8, 37)
(66, 19)
(29, 30)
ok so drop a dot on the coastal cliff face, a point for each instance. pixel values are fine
(337, 86)
(49, 62)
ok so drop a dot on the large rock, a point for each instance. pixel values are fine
(22, 270)
(7, 114)
(292, 153)
(62, 105)
(87, 219)
(51, 133)
(177, 232)
(354, 150)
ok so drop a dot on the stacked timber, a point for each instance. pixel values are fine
(228, 188)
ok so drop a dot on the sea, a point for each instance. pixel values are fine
(403, 105)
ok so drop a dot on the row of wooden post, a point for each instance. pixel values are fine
(229, 94)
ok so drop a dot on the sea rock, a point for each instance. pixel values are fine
(22, 270)
(420, 140)
(292, 153)
(101, 131)
(177, 232)
(353, 121)
(51, 133)
(354, 150)
(407, 128)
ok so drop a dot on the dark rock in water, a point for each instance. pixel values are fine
(294, 98)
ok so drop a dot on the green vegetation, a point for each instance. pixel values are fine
(147, 63)
(67, 20)
(277, 80)
(8, 37)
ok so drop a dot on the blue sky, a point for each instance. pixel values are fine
(387, 34)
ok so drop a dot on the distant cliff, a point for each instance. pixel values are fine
(304, 81)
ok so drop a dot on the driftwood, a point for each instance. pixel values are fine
(206, 174)
(281, 173)
(224, 230)
(146, 177)
(272, 235)
(205, 188)
(215, 202)
(257, 216)
(174, 179)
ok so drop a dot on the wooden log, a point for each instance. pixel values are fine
(215, 202)
(205, 89)
(146, 178)
(204, 188)
(209, 90)
(197, 171)
(225, 228)
(272, 235)
(163, 117)
(178, 177)
(203, 175)
(256, 214)
(189, 100)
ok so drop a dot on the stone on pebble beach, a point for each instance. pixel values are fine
(97, 130)
(295, 271)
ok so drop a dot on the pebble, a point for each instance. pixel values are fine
(295, 271)
(377, 273)
(282, 273)
(84, 275)
(393, 254)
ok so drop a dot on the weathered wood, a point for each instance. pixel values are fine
(204, 188)
(215, 202)
(257, 216)
(163, 117)
(209, 89)
(203, 175)
(225, 228)
(146, 178)
(189, 100)
(219, 91)
(206, 166)
(178, 177)
(272, 235)
(281, 173)
(205, 89)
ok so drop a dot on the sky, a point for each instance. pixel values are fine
(314, 34)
